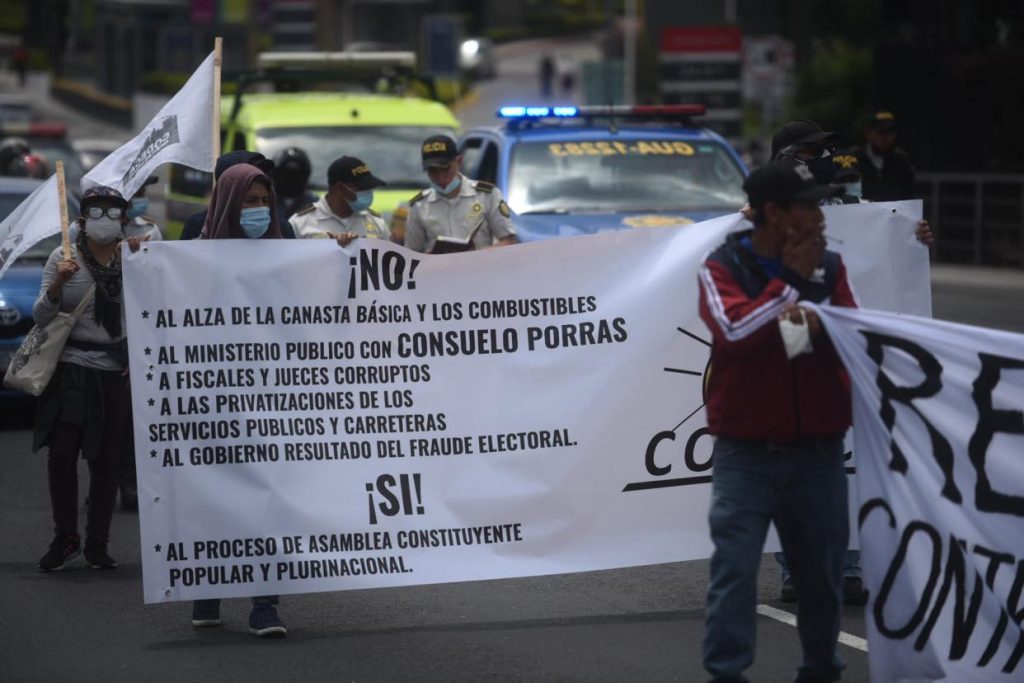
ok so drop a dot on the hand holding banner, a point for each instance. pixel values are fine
(938, 433)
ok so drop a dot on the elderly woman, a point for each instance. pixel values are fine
(243, 206)
(86, 408)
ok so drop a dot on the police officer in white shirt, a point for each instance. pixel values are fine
(455, 206)
(344, 212)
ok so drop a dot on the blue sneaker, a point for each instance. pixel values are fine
(264, 622)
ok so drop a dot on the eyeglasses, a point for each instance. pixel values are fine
(112, 212)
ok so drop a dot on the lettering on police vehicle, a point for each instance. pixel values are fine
(616, 147)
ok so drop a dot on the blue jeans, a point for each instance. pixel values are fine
(802, 489)
(851, 564)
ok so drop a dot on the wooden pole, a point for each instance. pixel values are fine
(218, 52)
(63, 198)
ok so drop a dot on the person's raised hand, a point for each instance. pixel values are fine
(802, 253)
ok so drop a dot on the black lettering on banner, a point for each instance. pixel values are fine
(995, 559)
(891, 394)
(963, 623)
(691, 446)
(991, 421)
(964, 620)
(395, 502)
(373, 270)
(889, 582)
(653, 468)
(656, 470)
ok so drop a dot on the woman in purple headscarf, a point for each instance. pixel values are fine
(242, 206)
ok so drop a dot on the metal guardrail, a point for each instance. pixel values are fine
(977, 218)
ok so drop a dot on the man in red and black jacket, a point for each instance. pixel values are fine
(779, 412)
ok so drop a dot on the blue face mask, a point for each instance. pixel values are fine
(255, 221)
(450, 187)
(362, 201)
(138, 207)
(853, 189)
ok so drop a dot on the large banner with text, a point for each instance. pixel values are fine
(939, 435)
(311, 418)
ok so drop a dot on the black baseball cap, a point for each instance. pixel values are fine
(352, 171)
(785, 181)
(101, 194)
(438, 150)
(242, 156)
(884, 121)
(801, 132)
(847, 167)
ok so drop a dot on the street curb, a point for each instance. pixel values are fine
(116, 110)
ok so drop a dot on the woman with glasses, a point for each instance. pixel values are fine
(86, 409)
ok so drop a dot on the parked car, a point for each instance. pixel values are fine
(20, 284)
(49, 140)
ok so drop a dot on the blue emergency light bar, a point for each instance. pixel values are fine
(537, 112)
(568, 112)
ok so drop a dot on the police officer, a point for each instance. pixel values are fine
(291, 180)
(455, 206)
(805, 142)
(139, 224)
(344, 212)
(848, 177)
(887, 170)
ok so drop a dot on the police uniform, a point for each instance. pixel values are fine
(318, 220)
(887, 176)
(478, 209)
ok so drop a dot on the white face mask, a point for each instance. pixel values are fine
(103, 230)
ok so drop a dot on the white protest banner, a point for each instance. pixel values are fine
(34, 219)
(181, 132)
(939, 435)
(323, 419)
(888, 267)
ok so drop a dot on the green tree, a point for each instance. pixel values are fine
(834, 87)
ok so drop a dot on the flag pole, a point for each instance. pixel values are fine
(63, 198)
(218, 52)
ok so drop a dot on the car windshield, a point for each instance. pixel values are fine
(391, 152)
(602, 175)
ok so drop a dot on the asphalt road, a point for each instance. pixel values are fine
(639, 624)
(642, 624)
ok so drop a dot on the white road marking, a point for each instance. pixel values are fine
(785, 617)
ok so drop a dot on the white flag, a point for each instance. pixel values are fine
(938, 415)
(35, 218)
(182, 133)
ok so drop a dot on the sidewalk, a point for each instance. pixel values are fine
(985, 277)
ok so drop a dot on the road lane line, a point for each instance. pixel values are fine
(785, 617)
